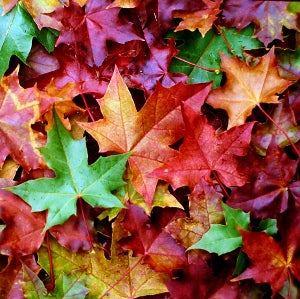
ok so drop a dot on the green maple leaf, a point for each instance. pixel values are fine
(17, 29)
(204, 51)
(225, 238)
(74, 178)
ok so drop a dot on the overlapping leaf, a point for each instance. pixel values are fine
(271, 190)
(91, 28)
(156, 126)
(19, 110)
(224, 238)
(151, 242)
(268, 16)
(17, 29)
(204, 210)
(205, 52)
(121, 277)
(276, 264)
(247, 87)
(204, 153)
(199, 19)
(160, 222)
(74, 178)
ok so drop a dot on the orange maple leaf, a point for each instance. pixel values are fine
(147, 133)
(247, 87)
(200, 19)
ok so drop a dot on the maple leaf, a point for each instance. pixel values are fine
(74, 178)
(247, 87)
(275, 264)
(19, 109)
(269, 191)
(156, 126)
(155, 68)
(195, 161)
(204, 209)
(199, 19)
(224, 238)
(16, 39)
(268, 16)
(204, 51)
(151, 242)
(22, 234)
(90, 29)
(123, 276)
(62, 69)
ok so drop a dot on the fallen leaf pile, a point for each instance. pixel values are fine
(149, 149)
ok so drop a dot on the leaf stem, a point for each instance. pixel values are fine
(197, 65)
(219, 31)
(85, 224)
(223, 187)
(87, 107)
(122, 277)
(281, 129)
(50, 287)
(290, 294)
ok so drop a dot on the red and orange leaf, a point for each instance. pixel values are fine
(199, 19)
(19, 109)
(156, 126)
(204, 153)
(247, 87)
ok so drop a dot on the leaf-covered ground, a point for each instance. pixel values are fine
(149, 149)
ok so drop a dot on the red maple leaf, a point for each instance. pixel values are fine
(274, 262)
(204, 153)
(269, 192)
(159, 249)
(89, 30)
(268, 16)
(198, 280)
